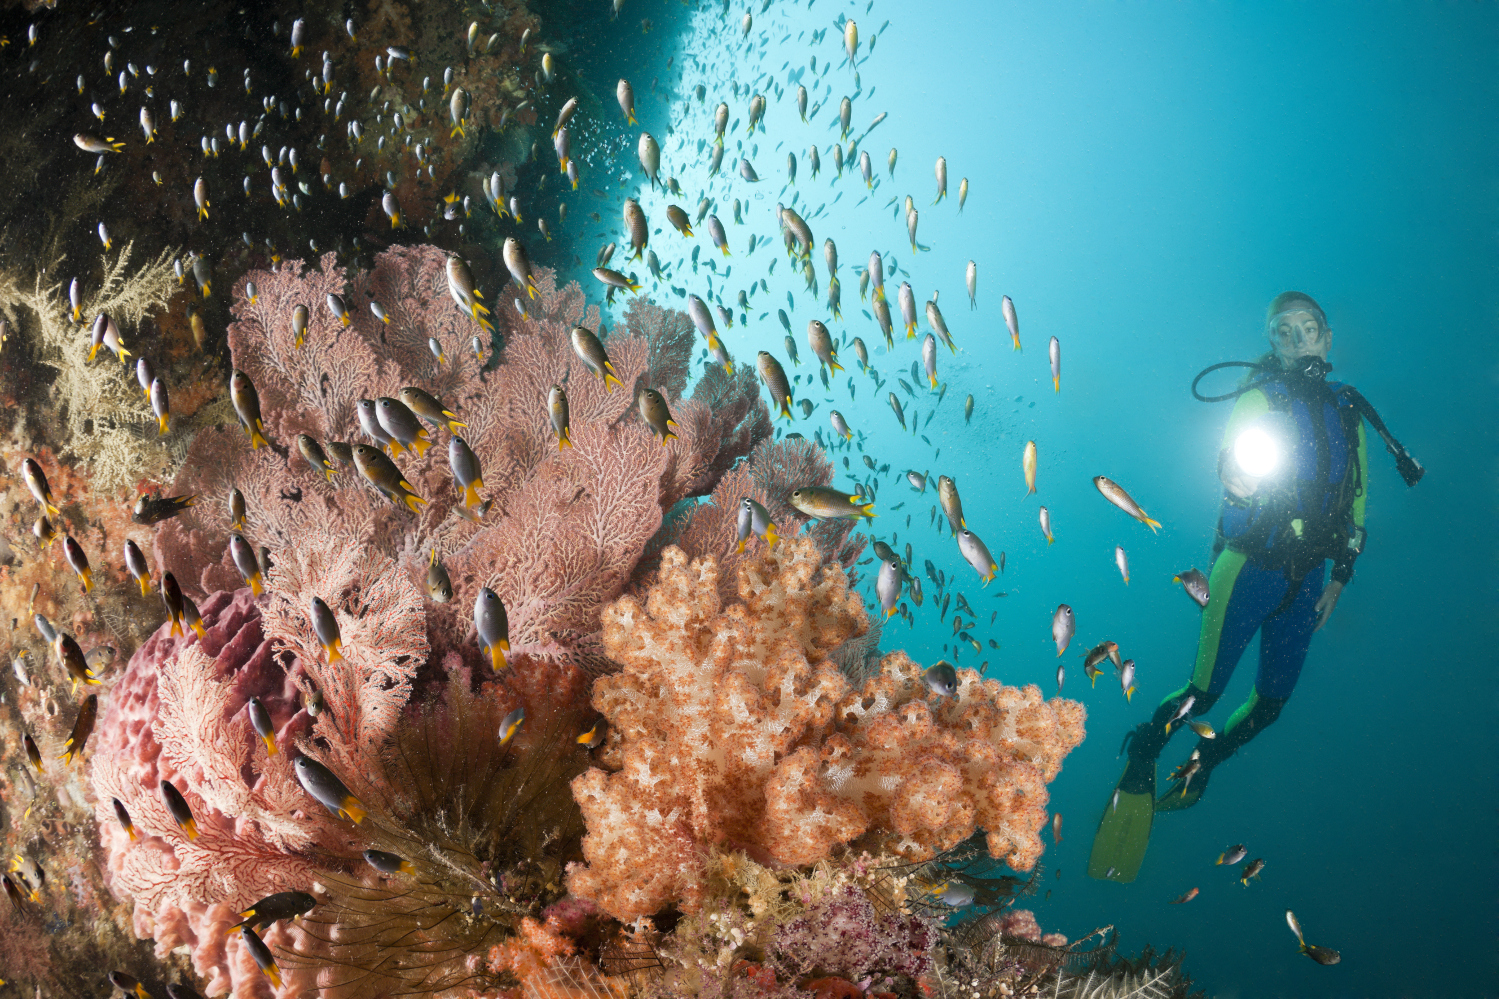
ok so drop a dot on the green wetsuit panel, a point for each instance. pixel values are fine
(1220, 587)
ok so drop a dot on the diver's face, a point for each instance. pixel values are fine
(1297, 334)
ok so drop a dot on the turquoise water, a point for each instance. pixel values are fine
(1143, 180)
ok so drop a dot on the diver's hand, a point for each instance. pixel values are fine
(1327, 602)
(1235, 479)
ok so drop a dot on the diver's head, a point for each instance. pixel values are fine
(1297, 329)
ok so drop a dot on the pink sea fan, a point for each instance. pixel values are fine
(187, 724)
(177, 713)
(772, 471)
(568, 524)
(314, 389)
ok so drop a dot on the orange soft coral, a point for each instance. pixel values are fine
(732, 726)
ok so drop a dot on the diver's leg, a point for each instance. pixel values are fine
(1284, 641)
(1238, 601)
(1229, 621)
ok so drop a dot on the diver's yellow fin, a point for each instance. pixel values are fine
(1123, 836)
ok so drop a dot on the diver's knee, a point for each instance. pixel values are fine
(1267, 709)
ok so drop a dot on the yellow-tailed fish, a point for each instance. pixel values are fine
(1116, 495)
(656, 415)
(558, 413)
(260, 720)
(776, 382)
(245, 561)
(825, 502)
(246, 403)
(430, 408)
(383, 474)
(466, 470)
(492, 625)
(591, 351)
(753, 518)
(312, 452)
(83, 727)
(510, 724)
(320, 782)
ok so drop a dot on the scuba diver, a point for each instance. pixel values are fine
(1295, 484)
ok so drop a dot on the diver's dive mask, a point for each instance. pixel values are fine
(1291, 337)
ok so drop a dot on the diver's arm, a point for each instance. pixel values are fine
(1342, 567)
(1250, 407)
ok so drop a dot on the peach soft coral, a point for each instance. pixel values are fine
(732, 726)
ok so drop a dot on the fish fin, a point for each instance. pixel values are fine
(470, 498)
(257, 438)
(454, 426)
(270, 744)
(176, 628)
(868, 510)
(87, 582)
(190, 829)
(332, 649)
(1145, 519)
(199, 629)
(412, 500)
(563, 440)
(145, 582)
(610, 376)
(497, 657)
(1129, 695)
(835, 365)
(741, 544)
(256, 587)
(353, 809)
(771, 537)
(420, 445)
(329, 471)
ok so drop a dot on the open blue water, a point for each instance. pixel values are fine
(1143, 180)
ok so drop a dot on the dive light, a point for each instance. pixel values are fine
(1257, 452)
